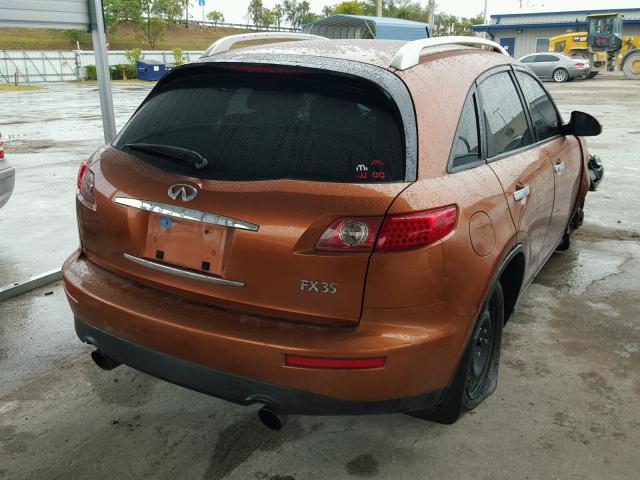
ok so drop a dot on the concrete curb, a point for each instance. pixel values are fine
(41, 280)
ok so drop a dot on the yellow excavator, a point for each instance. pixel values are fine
(603, 45)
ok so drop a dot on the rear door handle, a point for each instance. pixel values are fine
(522, 191)
(559, 166)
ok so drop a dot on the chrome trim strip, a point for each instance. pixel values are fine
(181, 272)
(186, 213)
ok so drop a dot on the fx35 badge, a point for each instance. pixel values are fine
(318, 287)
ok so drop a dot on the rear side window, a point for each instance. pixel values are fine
(546, 121)
(466, 146)
(259, 126)
(547, 58)
(505, 120)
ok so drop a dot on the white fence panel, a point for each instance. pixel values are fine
(58, 66)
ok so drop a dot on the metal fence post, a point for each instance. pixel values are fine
(102, 70)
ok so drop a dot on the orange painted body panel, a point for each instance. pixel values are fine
(253, 346)
(416, 307)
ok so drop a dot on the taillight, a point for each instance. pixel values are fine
(580, 64)
(1, 147)
(413, 230)
(86, 186)
(398, 232)
(350, 235)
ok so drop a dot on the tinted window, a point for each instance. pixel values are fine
(546, 121)
(546, 58)
(466, 147)
(262, 127)
(505, 120)
(528, 59)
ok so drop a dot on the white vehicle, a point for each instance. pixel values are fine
(7, 176)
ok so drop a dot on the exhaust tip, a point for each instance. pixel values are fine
(104, 362)
(271, 419)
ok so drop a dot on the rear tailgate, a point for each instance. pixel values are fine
(271, 262)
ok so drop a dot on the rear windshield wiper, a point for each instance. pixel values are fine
(190, 157)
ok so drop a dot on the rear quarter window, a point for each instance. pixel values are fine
(258, 126)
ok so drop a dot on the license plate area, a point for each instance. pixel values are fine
(194, 245)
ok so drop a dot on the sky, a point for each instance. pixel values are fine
(235, 10)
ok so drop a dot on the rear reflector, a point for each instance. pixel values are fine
(334, 363)
(413, 230)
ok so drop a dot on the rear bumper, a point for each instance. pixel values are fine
(7, 181)
(236, 389)
(579, 72)
(240, 357)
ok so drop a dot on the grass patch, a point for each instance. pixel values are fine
(123, 37)
(9, 87)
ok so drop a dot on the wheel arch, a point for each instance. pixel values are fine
(511, 278)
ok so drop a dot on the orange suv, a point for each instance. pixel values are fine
(326, 227)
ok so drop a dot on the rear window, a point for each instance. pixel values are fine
(252, 126)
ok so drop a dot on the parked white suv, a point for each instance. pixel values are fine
(7, 176)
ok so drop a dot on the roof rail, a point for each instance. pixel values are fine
(409, 54)
(225, 43)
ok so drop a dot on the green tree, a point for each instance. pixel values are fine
(255, 11)
(298, 13)
(352, 7)
(153, 29)
(278, 14)
(266, 19)
(170, 10)
(117, 11)
(215, 16)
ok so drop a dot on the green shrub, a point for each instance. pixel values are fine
(90, 72)
(128, 71)
(178, 56)
(133, 55)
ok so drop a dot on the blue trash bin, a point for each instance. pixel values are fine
(150, 70)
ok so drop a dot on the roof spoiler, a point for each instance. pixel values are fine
(225, 43)
(409, 54)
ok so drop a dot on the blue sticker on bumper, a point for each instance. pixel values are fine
(165, 222)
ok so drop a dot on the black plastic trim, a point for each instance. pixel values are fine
(240, 390)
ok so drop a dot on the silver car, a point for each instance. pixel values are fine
(7, 176)
(556, 66)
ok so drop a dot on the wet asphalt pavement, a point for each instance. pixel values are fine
(566, 405)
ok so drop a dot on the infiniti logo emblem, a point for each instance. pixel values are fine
(185, 192)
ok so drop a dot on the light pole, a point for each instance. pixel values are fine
(379, 8)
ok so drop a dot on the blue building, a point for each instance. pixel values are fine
(528, 30)
(361, 26)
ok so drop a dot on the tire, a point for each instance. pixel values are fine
(476, 377)
(631, 66)
(560, 75)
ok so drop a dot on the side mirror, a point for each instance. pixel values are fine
(582, 125)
